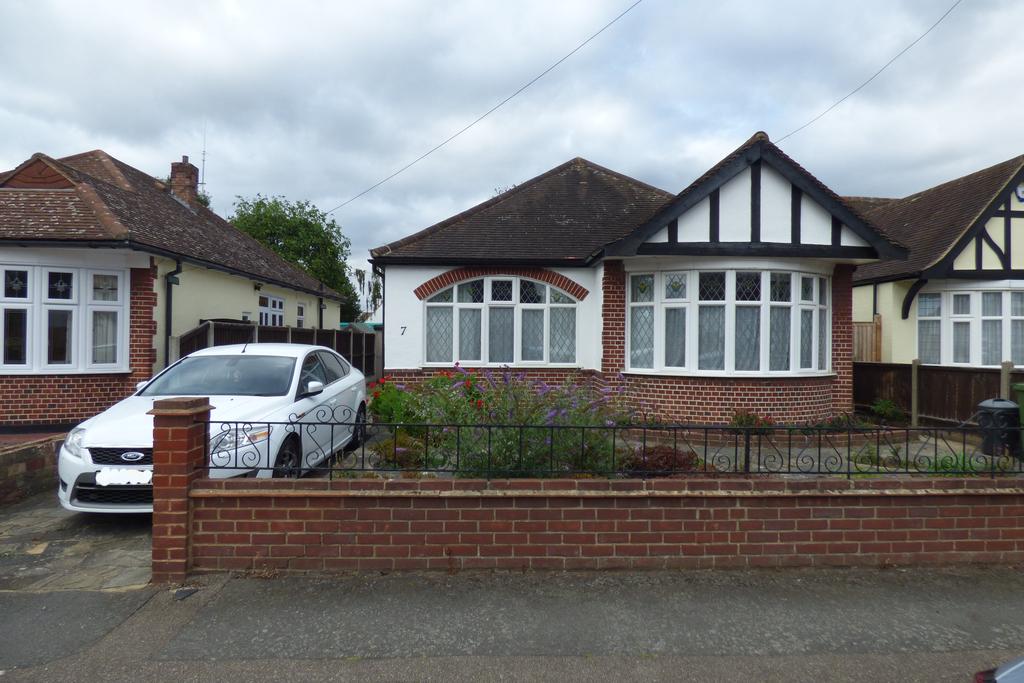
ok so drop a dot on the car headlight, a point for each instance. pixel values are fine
(73, 442)
(238, 438)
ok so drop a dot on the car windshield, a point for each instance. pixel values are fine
(225, 376)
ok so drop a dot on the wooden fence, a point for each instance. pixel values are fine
(359, 348)
(867, 340)
(945, 394)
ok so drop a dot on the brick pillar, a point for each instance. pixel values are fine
(842, 338)
(142, 330)
(613, 318)
(179, 451)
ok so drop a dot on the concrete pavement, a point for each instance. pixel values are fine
(852, 625)
(46, 548)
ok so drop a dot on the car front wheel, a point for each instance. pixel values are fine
(358, 431)
(287, 463)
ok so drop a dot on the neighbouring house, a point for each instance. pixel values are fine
(102, 267)
(734, 294)
(958, 299)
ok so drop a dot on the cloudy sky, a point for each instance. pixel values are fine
(319, 100)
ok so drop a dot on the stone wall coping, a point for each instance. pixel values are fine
(211, 489)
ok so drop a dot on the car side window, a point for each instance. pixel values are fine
(312, 371)
(333, 365)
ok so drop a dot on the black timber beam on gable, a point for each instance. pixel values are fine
(627, 246)
(795, 204)
(998, 207)
(713, 214)
(755, 201)
(799, 178)
(755, 249)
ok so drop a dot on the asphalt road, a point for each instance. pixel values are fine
(836, 625)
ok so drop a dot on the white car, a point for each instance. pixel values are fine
(278, 409)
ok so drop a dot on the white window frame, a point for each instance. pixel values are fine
(272, 314)
(517, 316)
(975, 291)
(300, 315)
(692, 304)
(81, 305)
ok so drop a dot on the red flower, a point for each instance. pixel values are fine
(376, 394)
(469, 384)
(371, 385)
(479, 403)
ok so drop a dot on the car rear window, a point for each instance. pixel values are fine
(225, 376)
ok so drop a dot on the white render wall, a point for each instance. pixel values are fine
(404, 314)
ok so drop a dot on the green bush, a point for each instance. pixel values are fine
(886, 410)
(502, 423)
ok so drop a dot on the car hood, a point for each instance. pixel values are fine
(128, 424)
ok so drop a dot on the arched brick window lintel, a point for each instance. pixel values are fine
(436, 284)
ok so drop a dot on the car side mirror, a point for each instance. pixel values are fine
(313, 388)
(139, 386)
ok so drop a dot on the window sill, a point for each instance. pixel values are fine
(31, 372)
(729, 375)
(498, 366)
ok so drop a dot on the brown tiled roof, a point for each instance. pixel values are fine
(112, 201)
(561, 216)
(930, 222)
(865, 204)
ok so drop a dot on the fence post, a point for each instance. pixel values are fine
(209, 334)
(179, 452)
(915, 366)
(1004, 379)
(876, 339)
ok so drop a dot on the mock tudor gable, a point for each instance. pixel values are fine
(732, 295)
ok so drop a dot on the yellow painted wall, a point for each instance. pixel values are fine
(203, 293)
(965, 259)
(862, 304)
(899, 337)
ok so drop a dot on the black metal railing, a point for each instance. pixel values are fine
(333, 445)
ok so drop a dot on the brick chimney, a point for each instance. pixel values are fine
(185, 180)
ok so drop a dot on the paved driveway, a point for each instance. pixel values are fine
(46, 548)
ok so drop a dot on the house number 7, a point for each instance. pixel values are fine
(404, 328)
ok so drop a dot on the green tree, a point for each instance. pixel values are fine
(303, 234)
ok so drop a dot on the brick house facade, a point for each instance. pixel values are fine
(92, 253)
(734, 295)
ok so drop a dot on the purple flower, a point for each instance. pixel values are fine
(609, 423)
(400, 387)
(461, 369)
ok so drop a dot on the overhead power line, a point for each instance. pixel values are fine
(874, 75)
(487, 113)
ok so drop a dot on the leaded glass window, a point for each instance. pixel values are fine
(15, 284)
(743, 321)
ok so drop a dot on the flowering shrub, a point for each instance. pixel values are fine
(752, 423)
(502, 422)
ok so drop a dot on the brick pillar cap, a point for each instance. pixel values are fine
(181, 406)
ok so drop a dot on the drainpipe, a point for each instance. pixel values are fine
(320, 312)
(379, 271)
(170, 279)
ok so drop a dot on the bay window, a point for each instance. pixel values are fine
(746, 322)
(500, 320)
(979, 328)
(62, 319)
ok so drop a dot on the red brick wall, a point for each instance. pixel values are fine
(59, 399)
(27, 468)
(842, 338)
(319, 525)
(714, 400)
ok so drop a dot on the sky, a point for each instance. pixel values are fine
(320, 100)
